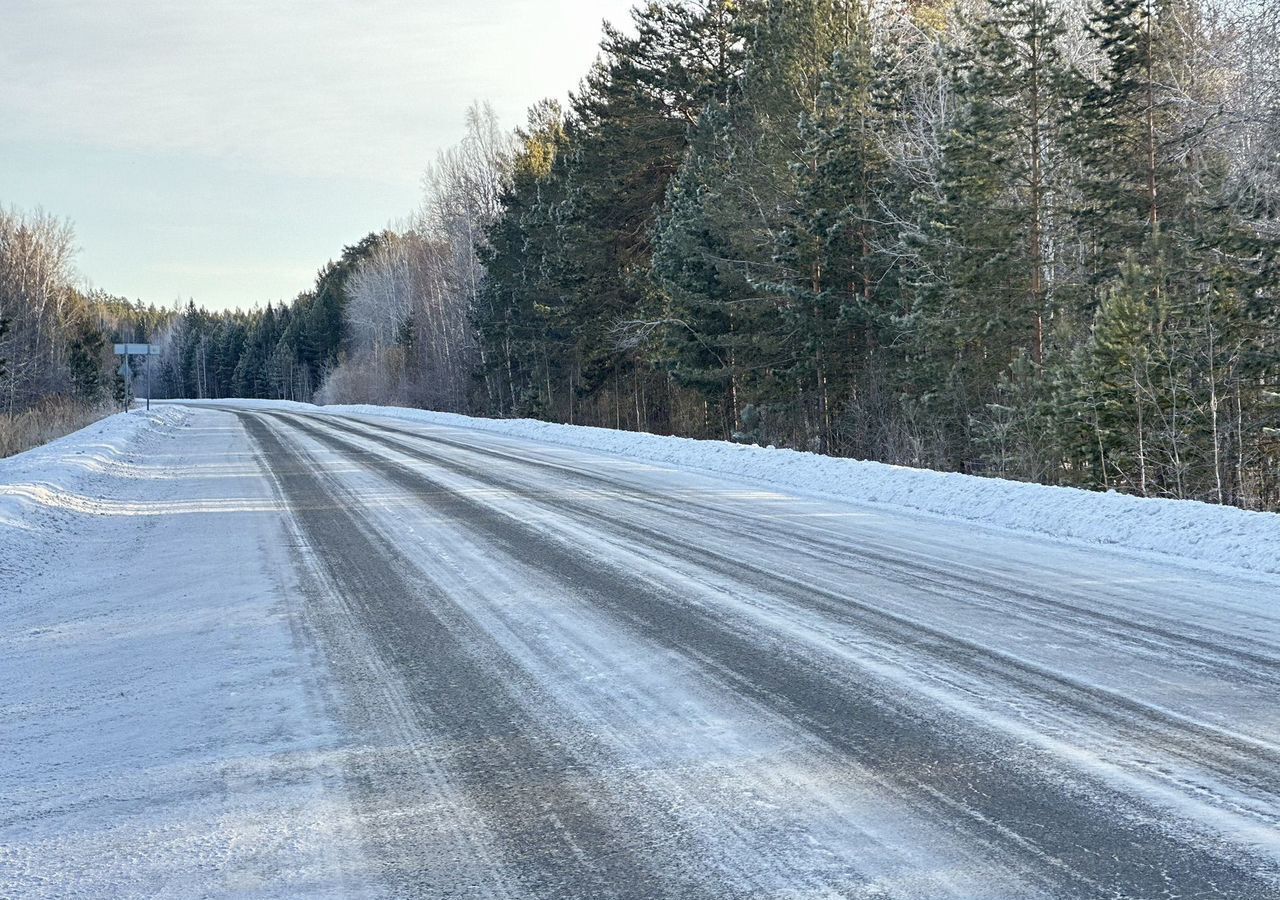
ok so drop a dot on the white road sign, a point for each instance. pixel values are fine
(126, 372)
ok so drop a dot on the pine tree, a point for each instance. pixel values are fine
(990, 296)
(841, 284)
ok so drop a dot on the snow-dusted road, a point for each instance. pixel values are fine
(511, 669)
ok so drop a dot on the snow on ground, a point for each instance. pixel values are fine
(45, 490)
(170, 726)
(1221, 538)
(162, 734)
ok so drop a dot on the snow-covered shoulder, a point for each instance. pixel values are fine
(1210, 536)
(43, 489)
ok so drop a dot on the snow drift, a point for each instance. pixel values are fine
(42, 489)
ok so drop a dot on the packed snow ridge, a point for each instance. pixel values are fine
(1217, 537)
(43, 490)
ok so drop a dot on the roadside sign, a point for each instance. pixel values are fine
(126, 372)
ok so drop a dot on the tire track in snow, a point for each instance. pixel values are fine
(1080, 835)
(1226, 652)
(1235, 759)
(552, 838)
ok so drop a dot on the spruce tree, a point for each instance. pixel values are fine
(627, 136)
(1116, 394)
(1139, 151)
(756, 158)
(526, 351)
(708, 331)
(570, 260)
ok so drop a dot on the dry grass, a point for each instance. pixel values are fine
(47, 421)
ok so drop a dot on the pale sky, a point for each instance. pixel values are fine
(224, 150)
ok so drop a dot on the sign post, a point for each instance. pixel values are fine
(128, 350)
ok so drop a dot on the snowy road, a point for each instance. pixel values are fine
(524, 670)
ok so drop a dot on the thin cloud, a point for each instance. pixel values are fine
(309, 88)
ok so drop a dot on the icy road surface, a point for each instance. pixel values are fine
(312, 655)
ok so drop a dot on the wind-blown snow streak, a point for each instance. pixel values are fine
(44, 489)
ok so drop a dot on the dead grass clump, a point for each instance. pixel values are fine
(47, 421)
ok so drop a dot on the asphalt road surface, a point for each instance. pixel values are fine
(582, 677)
(564, 674)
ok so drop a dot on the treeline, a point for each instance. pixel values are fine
(56, 339)
(56, 367)
(284, 351)
(50, 339)
(389, 322)
(410, 319)
(1025, 238)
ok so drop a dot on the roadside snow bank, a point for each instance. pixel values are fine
(1220, 537)
(43, 489)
